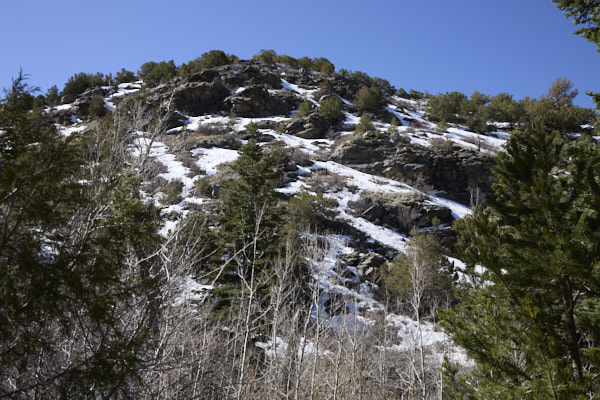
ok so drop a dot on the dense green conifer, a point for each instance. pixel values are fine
(332, 108)
(75, 277)
(249, 217)
(528, 314)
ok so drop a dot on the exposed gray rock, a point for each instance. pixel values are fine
(368, 267)
(398, 212)
(256, 102)
(455, 170)
(173, 120)
(67, 99)
(198, 98)
(365, 150)
(248, 73)
(226, 141)
(311, 127)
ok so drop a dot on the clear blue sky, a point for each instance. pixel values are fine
(517, 46)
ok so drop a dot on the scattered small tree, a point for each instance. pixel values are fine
(304, 109)
(210, 59)
(81, 82)
(251, 128)
(394, 125)
(266, 56)
(502, 108)
(447, 107)
(369, 99)
(124, 76)
(52, 96)
(556, 108)
(153, 73)
(96, 108)
(332, 108)
(364, 125)
(250, 222)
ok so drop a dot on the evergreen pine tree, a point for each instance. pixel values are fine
(369, 99)
(586, 15)
(249, 216)
(528, 315)
(75, 297)
(364, 125)
(332, 108)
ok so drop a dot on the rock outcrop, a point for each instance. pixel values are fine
(399, 213)
(198, 98)
(256, 102)
(312, 127)
(458, 171)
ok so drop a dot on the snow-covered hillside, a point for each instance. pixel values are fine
(339, 177)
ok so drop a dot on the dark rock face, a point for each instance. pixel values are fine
(246, 73)
(367, 265)
(174, 120)
(399, 214)
(364, 150)
(226, 141)
(256, 102)
(81, 104)
(198, 98)
(311, 127)
(67, 99)
(456, 170)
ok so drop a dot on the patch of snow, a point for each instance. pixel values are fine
(126, 88)
(278, 348)
(190, 290)
(411, 335)
(364, 181)
(63, 107)
(295, 88)
(471, 139)
(351, 119)
(71, 130)
(109, 105)
(310, 145)
(386, 236)
(292, 188)
(168, 227)
(458, 210)
(210, 159)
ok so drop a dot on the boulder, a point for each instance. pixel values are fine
(226, 141)
(365, 150)
(207, 75)
(311, 127)
(174, 120)
(68, 99)
(198, 98)
(399, 213)
(456, 171)
(368, 267)
(248, 74)
(256, 102)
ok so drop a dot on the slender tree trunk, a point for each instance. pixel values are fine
(572, 334)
